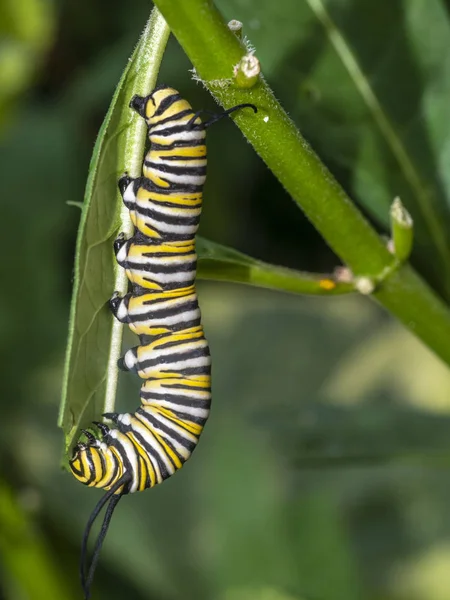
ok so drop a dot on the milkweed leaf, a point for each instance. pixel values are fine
(94, 341)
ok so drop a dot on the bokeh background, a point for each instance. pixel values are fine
(323, 473)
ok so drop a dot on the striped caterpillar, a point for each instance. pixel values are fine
(148, 446)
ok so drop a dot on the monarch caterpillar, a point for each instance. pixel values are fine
(173, 357)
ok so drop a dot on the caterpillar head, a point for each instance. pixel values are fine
(86, 460)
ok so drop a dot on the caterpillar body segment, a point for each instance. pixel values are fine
(154, 313)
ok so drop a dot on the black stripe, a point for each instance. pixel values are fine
(168, 359)
(178, 144)
(90, 466)
(185, 128)
(123, 457)
(179, 189)
(168, 286)
(175, 327)
(165, 103)
(179, 343)
(183, 253)
(169, 443)
(187, 417)
(150, 302)
(172, 311)
(155, 269)
(190, 371)
(160, 316)
(153, 453)
(154, 423)
(186, 158)
(177, 399)
(179, 115)
(170, 220)
(147, 268)
(176, 170)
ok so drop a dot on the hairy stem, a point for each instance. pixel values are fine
(214, 51)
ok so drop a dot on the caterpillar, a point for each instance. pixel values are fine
(144, 448)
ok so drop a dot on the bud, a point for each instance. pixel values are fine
(247, 71)
(402, 230)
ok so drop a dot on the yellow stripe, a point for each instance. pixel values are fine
(186, 151)
(150, 174)
(167, 449)
(175, 108)
(137, 250)
(193, 428)
(143, 454)
(195, 333)
(109, 470)
(98, 469)
(142, 281)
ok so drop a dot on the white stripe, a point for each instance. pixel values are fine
(147, 434)
(144, 258)
(154, 321)
(189, 410)
(162, 160)
(202, 361)
(172, 210)
(130, 452)
(148, 351)
(171, 425)
(172, 123)
(160, 304)
(180, 449)
(168, 277)
(181, 135)
(194, 179)
(170, 227)
(196, 394)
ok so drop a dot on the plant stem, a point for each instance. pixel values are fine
(272, 278)
(393, 139)
(214, 51)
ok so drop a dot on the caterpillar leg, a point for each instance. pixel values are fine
(119, 307)
(119, 242)
(126, 188)
(129, 360)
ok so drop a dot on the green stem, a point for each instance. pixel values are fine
(273, 278)
(424, 199)
(214, 51)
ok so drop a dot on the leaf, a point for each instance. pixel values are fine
(94, 342)
(221, 263)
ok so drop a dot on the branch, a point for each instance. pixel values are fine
(215, 51)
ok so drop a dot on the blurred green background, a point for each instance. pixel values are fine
(323, 471)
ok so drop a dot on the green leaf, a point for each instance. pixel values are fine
(221, 263)
(94, 343)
